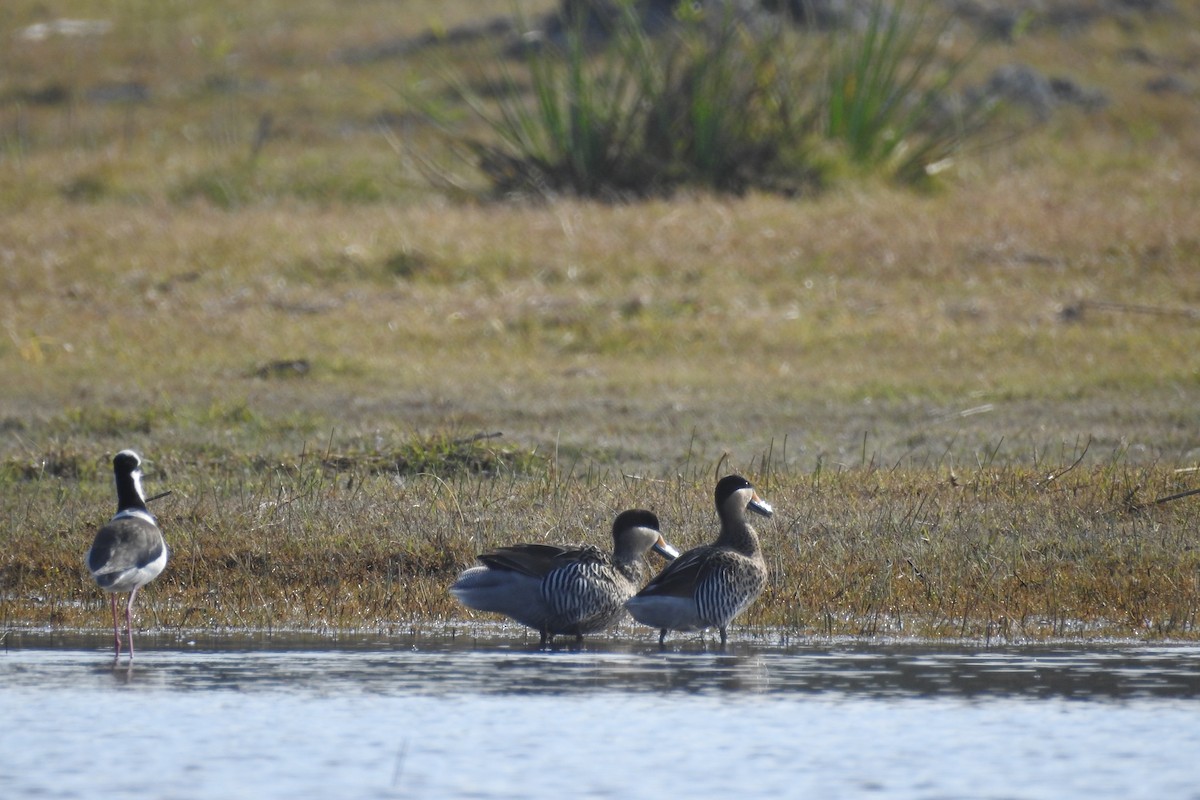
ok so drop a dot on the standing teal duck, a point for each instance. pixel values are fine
(565, 590)
(128, 551)
(710, 586)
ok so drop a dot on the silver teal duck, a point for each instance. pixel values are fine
(568, 591)
(710, 586)
(128, 551)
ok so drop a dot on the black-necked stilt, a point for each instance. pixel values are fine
(709, 586)
(128, 551)
(564, 590)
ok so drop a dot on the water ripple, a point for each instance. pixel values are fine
(447, 666)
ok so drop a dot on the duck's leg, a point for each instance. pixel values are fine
(662, 637)
(546, 637)
(724, 637)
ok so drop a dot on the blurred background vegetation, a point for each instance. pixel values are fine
(316, 250)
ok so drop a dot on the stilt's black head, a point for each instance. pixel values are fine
(126, 462)
(127, 471)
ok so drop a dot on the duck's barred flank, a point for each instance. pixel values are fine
(726, 592)
(588, 590)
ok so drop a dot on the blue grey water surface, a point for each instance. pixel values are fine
(489, 717)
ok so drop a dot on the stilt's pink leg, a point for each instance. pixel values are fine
(129, 619)
(116, 629)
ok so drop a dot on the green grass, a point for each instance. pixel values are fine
(901, 371)
(889, 94)
(718, 104)
(350, 543)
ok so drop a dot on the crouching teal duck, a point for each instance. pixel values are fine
(567, 591)
(709, 586)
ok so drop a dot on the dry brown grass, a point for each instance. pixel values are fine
(630, 333)
(1007, 553)
(853, 351)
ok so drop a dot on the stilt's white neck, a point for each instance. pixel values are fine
(136, 513)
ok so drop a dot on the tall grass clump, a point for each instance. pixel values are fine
(724, 115)
(699, 105)
(716, 102)
(886, 98)
(578, 128)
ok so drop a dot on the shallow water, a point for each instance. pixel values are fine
(310, 717)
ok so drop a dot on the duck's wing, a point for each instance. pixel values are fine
(679, 578)
(538, 560)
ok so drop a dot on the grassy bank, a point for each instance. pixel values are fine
(235, 268)
(331, 543)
